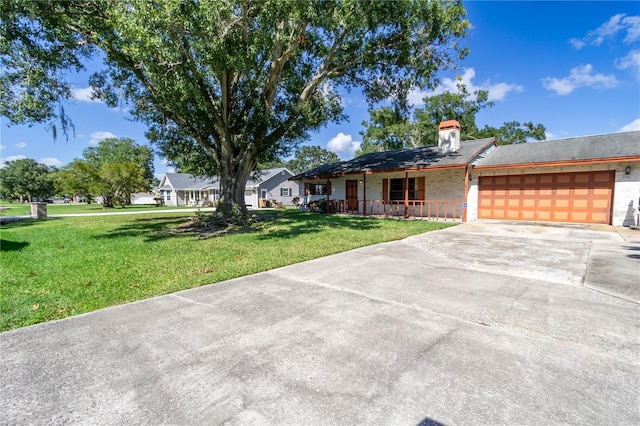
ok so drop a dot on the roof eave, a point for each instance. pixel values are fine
(559, 163)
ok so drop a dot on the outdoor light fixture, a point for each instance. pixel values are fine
(627, 171)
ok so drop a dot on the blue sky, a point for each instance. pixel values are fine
(573, 66)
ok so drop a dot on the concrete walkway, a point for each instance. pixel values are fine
(483, 323)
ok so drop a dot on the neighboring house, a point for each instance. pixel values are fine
(183, 189)
(594, 179)
(273, 185)
(143, 198)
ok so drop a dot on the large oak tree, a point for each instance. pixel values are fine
(225, 84)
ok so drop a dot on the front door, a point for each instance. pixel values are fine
(352, 195)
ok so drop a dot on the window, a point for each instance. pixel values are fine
(396, 189)
(317, 189)
(285, 192)
(168, 195)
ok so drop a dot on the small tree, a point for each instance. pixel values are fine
(25, 179)
(75, 178)
(113, 170)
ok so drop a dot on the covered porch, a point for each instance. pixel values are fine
(436, 194)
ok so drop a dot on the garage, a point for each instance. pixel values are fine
(582, 197)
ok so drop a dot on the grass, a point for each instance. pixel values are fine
(59, 267)
(24, 209)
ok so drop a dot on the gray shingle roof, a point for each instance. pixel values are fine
(586, 148)
(186, 181)
(265, 175)
(416, 158)
(189, 182)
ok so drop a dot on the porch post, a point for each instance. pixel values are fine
(364, 194)
(406, 195)
(328, 207)
(466, 193)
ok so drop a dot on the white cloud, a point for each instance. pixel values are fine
(50, 161)
(83, 95)
(11, 158)
(100, 136)
(619, 23)
(577, 44)
(633, 28)
(2, 146)
(342, 143)
(579, 77)
(20, 145)
(633, 126)
(632, 61)
(497, 91)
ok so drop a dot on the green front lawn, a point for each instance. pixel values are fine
(24, 209)
(59, 267)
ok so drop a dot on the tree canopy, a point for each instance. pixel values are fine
(309, 157)
(112, 170)
(25, 179)
(390, 128)
(229, 83)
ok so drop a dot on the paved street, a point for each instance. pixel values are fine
(482, 323)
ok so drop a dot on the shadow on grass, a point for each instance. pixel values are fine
(6, 245)
(271, 225)
(152, 229)
(299, 224)
(11, 222)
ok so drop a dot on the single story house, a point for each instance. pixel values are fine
(183, 189)
(591, 179)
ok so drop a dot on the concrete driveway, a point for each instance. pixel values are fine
(483, 323)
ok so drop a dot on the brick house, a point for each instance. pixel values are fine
(593, 179)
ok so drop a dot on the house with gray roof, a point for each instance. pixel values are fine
(183, 189)
(591, 179)
(426, 182)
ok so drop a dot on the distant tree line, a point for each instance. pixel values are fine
(110, 171)
(396, 128)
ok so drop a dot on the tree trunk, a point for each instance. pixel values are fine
(234, 174)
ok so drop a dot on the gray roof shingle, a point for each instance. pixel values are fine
(579, 149)
(186, 181)
(416, 158)
(189, 182)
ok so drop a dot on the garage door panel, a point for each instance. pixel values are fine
(602, 177)
(562, 197)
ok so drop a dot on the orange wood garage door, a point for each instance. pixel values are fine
(584, 197)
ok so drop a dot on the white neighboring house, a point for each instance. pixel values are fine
(183, 189)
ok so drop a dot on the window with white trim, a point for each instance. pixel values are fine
(285, 192)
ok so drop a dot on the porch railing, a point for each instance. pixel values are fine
(428, 209)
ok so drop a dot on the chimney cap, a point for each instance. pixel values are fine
(449, 124)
